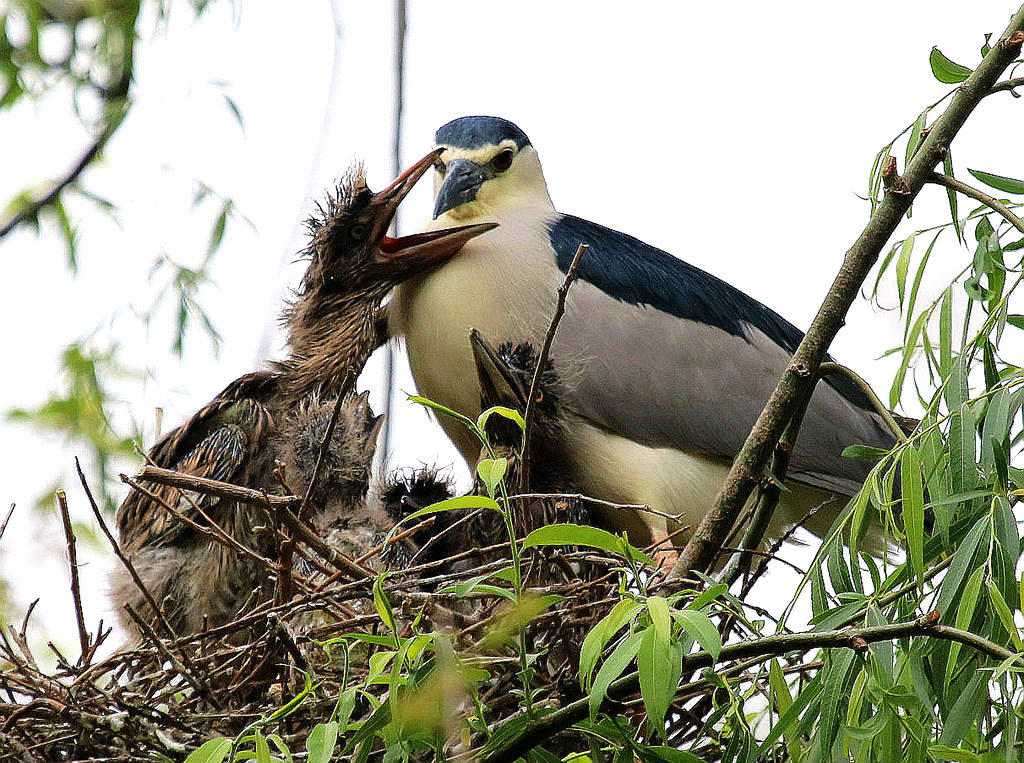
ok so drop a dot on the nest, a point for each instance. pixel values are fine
(164, 696)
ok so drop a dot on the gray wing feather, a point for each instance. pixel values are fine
(667, 381)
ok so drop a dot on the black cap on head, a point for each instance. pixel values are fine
(474, 132)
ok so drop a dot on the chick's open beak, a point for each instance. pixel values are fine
(407, 255)
(496, 382)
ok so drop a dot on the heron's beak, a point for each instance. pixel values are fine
(406, 256)
(497, 386)
(462, 180)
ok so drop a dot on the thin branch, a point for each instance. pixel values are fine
(299, 529)
(1009, 84)
(206, 692)
(531, 401)
(3, 526)
(161, 647)
(596, 502)
(831, 367)
(35, 207)
(76, 591)
(801, 374)
(324, 447)
(857, 639)
(997, 206)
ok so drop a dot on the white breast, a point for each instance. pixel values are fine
(502, 283)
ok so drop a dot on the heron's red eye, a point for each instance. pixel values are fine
(503, 160)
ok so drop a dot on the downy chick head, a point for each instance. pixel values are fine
(349, 250)
(344, 476)
(505, 375)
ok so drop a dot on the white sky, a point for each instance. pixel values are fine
(735, 135)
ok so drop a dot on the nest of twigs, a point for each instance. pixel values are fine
(162, 697)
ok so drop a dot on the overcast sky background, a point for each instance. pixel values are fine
(735, 135)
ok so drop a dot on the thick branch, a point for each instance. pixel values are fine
(710, 535)
(952, 183)
(857, 639)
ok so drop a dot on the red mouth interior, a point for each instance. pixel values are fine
(390, 245)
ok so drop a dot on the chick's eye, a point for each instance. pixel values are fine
(440, 167)
(358, 231)
(503, 160)
(540, 397)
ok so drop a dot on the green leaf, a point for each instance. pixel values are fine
(999, 182)
(842, 666)
(903, 265)
(1003, 610)
(583, 535)
(660, 617)
(428, 403)
(700, 629)
(213, 751)
(217, 232)
(863, 452)
(321, 742)
(500, 410)
(968, 706)
(262, 747)
(659, 666)
(913, 508)
(381, 603)
(459, 502)
(612, 668)
(662, 754)
(282, 748)
(915, 135)
(595, 641)
(946, 70)
(964, 615)
(492, 471)
(947, 168)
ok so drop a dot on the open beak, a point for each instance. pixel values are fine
(407, 255)
(497, 386)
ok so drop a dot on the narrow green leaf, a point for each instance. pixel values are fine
(428, 403)
(213, 751)
(915, 135)
(913, 508)
(863, 452)
(321, 742)
(968, 706)
(612, 668)
(915, 288)
(459, 502)
(598, 637)
(946, 70)
(947, 168)
(903, 265)
(999, 182)
(262, 747)
(964, 615)
(1003, 610)
(583, 535)
(381, 603)
(217, 232)
(700, 629)
(660, 617)
(843, 664)
(659, 665)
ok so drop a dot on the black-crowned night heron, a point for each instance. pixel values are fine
(665, 366)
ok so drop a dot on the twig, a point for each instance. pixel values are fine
(32, 209)
(3, 527)
(161, 647)
(858, 262)
(246, 495)
(997, 206)
(597, 502)
(1009, 84)
(325, 444)
(830, 367)
(76, 591)
(857, 639)
(120, 555)
(531, 401)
